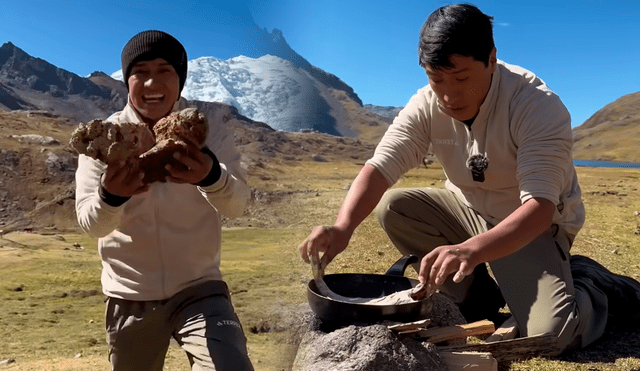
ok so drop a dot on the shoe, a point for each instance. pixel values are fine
(623, 293)
(484, 300)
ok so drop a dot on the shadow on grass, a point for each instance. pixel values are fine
(613, 345)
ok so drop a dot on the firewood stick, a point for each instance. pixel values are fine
(508, 330)
(440, 334)
(510, 350)
(410, 326)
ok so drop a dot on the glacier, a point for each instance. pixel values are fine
(268, 89)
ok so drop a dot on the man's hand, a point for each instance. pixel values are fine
(124, 179)
(443, 261)
(525, 224)
(363, 196)
(196, 165)
(325, 239)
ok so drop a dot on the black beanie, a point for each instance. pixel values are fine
(149, 45)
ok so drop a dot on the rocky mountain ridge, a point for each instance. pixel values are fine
(29, 83)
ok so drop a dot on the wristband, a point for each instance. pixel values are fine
(109, 198)
(215, 172)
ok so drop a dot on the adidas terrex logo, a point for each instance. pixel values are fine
(228, 323)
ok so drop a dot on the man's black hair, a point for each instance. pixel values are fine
(459, 29)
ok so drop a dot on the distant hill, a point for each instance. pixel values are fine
(29, 83)
(612, 133)
(389, 112)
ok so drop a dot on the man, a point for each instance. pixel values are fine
(160, 242)
(511, 199)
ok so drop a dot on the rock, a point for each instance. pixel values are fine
(445, 312)
(368, 348)
(60, 164)
(17, 288)
(9, 361)
(9, 159)
(36, 139)
(374, 347)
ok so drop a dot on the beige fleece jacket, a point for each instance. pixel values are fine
(168, 238)
(522, 128)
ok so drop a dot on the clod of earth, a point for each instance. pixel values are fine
(134, 142)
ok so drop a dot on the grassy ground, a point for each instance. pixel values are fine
(51, 307)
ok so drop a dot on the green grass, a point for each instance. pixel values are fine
(52, 310)
(50, 299)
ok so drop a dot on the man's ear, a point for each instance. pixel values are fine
(493, 60)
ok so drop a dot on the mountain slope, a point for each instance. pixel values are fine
(267, 89)
(29, 83)
(612, 133)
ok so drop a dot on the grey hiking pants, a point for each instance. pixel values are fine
(535, 281)
(200, 318)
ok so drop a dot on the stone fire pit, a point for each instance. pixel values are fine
(372, 347)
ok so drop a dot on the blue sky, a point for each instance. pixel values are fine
(587, 51)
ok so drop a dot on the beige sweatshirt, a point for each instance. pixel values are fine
(522, 128)
(168, 238)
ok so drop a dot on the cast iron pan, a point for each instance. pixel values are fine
(368, 286)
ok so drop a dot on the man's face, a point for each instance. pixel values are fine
(153, 89)
(461, 89)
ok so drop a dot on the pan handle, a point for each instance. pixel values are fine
(398, 268)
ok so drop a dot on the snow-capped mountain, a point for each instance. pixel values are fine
(268, 89)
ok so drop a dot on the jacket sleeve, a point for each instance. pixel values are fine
(544, 140)
(230, 193)
(406, 141)
(95, 217)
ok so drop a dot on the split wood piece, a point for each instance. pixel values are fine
(440, 334)
(403, 327)
(477, 361)
(515, 349)
(508, 330)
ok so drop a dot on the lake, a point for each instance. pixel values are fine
(614, 164)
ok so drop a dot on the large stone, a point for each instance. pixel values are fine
(373, 347)
(365, 348)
